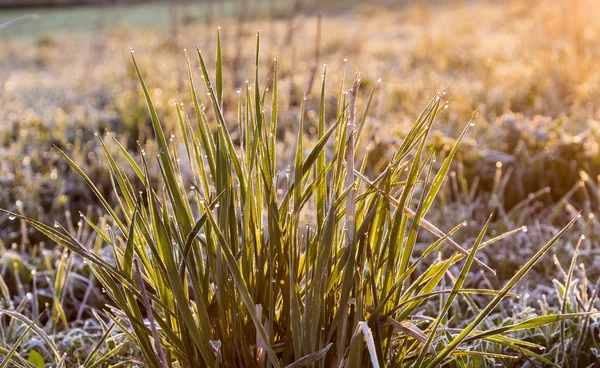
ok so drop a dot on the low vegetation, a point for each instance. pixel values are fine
(284, 226)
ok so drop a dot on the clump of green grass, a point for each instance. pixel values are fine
(246, 266)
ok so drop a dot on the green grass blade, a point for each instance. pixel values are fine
(459, 339)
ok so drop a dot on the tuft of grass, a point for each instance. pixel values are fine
(228, 267)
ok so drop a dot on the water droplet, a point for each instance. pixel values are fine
(12, 217)
(132, 50)
(472, 124)
(524, 229)
(56, 224)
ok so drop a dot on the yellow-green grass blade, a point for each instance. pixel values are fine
(459, 339)
(8, 357)
(453, 294)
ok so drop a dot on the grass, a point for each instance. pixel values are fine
(225, 265)
(530, 160)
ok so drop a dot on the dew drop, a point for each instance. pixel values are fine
(132, 50)
(524, 229)
(12, 217)
(56, 224)
(472, 124)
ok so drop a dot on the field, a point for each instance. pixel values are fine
(338, 184)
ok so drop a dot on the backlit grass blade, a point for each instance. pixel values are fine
(459, 339)
(310, 359)
(182, 211)
(8, 357)
(219, 70)
(242, 288)
(439, 178)
(455, 290)
(528, 324)
(322, 188)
